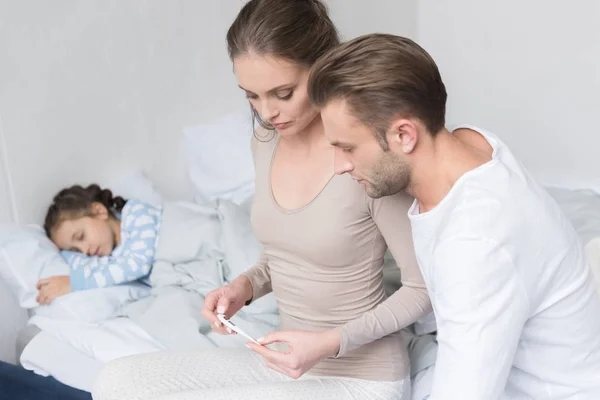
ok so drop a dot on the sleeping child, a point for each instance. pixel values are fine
(105, 240)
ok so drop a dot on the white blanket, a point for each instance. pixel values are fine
(73, 353)
(74, 368)
(201, 247)
(81, 331)
(422, 351)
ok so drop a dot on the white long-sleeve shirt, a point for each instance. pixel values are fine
(517, 313)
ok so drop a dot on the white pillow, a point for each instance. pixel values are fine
(135, 185)
(26, 256)
(218, 158)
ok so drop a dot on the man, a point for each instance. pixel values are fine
(516, 311)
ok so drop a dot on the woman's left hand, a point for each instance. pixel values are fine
(50, 288)
(305, 349)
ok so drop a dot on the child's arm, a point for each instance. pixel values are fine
(98, 272)
(88, 272)
(139, 230)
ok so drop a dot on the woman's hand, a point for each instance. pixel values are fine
(226, 300)
(51, 288)
(305, 349)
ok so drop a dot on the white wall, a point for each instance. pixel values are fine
(358, 17)
(12, 316)
(91, 88)
(94, 87)
(13, 319)
(528, 71)
(6, 209)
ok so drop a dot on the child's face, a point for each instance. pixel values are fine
(92, 235)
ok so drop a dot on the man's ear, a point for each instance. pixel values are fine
(99, 210)
(403, 135)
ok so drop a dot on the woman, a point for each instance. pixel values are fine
(324, 241)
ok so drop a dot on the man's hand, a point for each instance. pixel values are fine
(51, 288)
(305, 349)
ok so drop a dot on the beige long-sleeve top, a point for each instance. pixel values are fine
(324, 264)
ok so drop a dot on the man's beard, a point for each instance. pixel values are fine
(389, 175)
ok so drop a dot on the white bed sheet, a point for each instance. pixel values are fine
(422, 383)
(73, 352)
(103, 341)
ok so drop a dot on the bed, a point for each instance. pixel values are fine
(73, 352)
(74, 336)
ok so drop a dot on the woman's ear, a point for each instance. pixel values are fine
(403, 135)
(100, 211)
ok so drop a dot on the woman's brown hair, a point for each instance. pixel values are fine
(296, 30)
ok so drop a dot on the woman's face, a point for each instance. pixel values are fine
(276, 89)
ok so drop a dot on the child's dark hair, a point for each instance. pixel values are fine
(76, 201)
